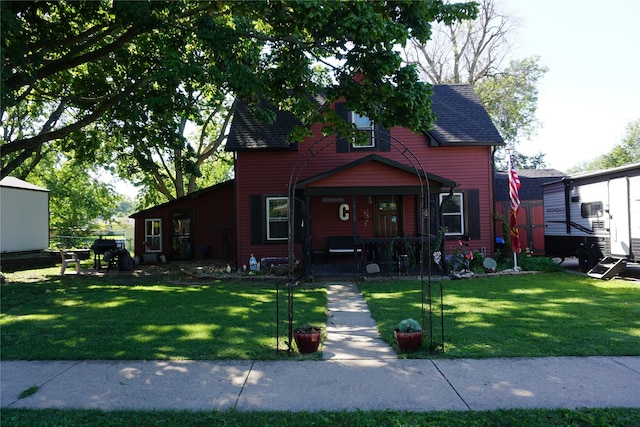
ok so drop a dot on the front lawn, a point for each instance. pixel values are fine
(553, 314)
(173, 316)
(150, 317)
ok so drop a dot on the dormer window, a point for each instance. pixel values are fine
(370, 137)
(367, 136)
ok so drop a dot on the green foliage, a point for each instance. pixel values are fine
(476, 264)
(29, 392)
(137, 72)
(516, 119)
(511, 99)
(464, 259)
(624, 153)
(409, 325)
(395, 248)
(76, 200)
(530, 263)
(585, 417)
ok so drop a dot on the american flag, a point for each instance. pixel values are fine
(514, 185)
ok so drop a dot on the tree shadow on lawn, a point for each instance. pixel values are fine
(76, 317)
(539, 315)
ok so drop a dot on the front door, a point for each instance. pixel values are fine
(387, 216)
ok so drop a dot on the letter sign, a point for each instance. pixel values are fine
(343, 212)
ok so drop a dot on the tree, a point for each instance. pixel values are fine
(624, 153)
(474, 52)
(511, 99)
(76, 64)
(76, 199)
(628, 151)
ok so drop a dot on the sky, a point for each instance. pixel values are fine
(592, 88)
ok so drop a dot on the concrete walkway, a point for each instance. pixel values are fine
(360, 372)
(351, 331)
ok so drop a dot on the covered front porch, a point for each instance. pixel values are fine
(370, 211)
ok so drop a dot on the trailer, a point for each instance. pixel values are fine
(594, 216)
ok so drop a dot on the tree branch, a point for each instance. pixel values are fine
(18, 80)
(34, 142)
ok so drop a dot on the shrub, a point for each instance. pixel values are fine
(409, 325)
(538, 264)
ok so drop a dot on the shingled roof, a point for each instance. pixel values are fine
(461, 120)
(461, 117)
(249, 133)
(531, 181)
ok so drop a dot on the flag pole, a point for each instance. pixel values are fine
(514, 186)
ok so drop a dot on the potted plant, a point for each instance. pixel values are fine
(408, 335)
(308, 338)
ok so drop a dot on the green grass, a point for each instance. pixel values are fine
(556, 314)
(150, 317)
(511, 418)
(169, 316)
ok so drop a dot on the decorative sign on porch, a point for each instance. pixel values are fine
(343, 212)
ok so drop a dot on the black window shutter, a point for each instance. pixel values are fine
(383, 137)
(473, 205)
(257, 219)
(299, 218)
(342, 143)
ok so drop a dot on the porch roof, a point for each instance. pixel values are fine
(380, 175)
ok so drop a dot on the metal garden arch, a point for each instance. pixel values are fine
(426, 290)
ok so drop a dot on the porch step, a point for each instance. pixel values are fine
(607, 268)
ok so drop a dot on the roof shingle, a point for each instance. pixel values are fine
(461, 119)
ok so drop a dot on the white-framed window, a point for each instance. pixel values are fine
(453, 214)
(365, 126)
(277, 218)
(153, 235)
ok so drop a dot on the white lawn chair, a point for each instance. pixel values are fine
(69, 258)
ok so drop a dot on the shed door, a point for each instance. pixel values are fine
(619, 221)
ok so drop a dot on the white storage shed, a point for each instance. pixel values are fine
(24, 216)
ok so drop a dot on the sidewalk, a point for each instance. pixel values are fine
(359, 372)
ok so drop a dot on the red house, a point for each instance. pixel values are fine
(199, 225)
(352, 198)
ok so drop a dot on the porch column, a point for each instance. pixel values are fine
(307, 244)
(354, 230)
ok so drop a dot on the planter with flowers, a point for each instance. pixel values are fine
(409, 335)
(307, 338)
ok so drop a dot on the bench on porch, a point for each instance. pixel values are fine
(342, 245)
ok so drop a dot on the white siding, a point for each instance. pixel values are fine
(634, 206)
(554, 210)
(24, 219)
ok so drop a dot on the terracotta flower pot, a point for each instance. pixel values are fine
(409, 341)
(307, 341)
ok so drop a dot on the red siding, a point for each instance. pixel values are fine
(369, 174)
(530, 224)
(213, 223)
(269, 173)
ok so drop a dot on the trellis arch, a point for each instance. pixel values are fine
(426, 291)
